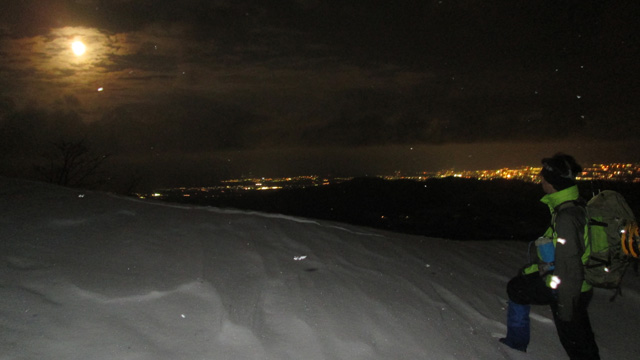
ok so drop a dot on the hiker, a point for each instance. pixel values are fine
(557, 277)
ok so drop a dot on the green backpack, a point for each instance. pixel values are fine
(613, 240)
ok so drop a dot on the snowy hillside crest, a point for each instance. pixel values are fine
(89, 275)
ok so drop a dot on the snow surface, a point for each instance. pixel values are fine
(90, 275)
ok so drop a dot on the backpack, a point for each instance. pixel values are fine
(612, 238)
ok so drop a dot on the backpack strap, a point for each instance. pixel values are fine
(570, 203)
(566, 205)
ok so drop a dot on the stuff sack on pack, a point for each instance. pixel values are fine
(631, 240)
(613, 239)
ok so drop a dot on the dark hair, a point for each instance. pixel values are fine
(560, 170)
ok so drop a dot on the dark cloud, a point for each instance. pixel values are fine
(185, 124)
(31, 130)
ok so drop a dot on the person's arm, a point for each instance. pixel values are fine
(569, 271)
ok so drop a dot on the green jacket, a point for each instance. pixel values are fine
(568, 230)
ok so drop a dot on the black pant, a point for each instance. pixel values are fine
(576, 336)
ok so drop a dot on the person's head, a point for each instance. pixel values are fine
(559, 172)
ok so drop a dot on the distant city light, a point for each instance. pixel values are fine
(611, 172)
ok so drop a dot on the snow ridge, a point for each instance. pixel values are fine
(99, 276)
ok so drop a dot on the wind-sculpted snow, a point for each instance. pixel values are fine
(87, 275)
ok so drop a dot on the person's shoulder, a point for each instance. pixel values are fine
(577, 212)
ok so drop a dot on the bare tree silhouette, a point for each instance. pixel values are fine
(72, 164)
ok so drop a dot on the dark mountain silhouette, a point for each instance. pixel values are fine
(453, 208)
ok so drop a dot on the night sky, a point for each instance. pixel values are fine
(187, 92)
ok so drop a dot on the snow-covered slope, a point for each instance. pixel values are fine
(88, 275)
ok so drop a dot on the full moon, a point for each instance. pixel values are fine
(78, 48)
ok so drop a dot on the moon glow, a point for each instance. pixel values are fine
(78, 48)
